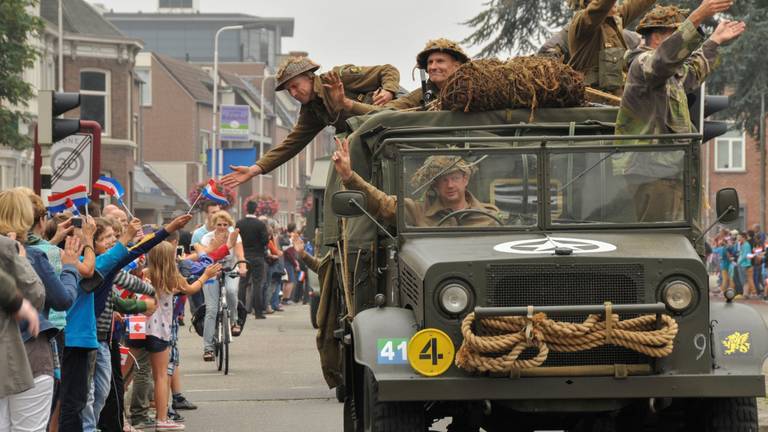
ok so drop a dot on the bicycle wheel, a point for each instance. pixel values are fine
(225, 342)
(219, 340)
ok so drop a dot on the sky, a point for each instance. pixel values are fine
(360, 32)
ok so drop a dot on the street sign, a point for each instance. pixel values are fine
(72, 162)
(234, 122)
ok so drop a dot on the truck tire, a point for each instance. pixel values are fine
(731, 415)
(389, 416)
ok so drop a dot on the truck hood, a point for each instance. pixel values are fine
(423, 251)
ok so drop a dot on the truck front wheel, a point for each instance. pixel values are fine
(381, 416)
(730, 415)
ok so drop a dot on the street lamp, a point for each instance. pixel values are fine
(214, 137)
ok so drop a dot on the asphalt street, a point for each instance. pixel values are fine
(275, 383)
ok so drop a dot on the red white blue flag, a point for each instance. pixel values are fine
(109, 186)
(72, 208)
(212, 193)
(57, 202)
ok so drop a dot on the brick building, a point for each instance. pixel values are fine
(733, 160)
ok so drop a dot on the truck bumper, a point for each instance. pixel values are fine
(397, 387)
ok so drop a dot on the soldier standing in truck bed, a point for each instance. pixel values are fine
(595, 40)
(374, 85)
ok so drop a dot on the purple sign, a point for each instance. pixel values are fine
(234, 122)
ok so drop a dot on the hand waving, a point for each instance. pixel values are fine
(240, 174)
(335, 87)
(341, 161)
(727, 31)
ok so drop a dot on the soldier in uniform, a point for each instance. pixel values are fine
(375, 85)
(557, 45)
(595, 41)
(447, 193)
(440, 58)
(660, 75)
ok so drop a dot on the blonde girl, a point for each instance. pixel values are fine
(164, 275)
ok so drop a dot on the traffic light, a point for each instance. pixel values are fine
(701, 106)
(51, 104)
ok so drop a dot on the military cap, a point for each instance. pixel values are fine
(437, 166)
(441, 45)
(293, 67)
(662, 17)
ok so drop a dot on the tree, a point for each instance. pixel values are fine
(17, 28)
(519, 26)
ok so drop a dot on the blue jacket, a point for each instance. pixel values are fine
(108, 264)
(60, 290)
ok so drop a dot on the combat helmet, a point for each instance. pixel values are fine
(441, 45)
(662, 17)
(293, 67)
(438, 166)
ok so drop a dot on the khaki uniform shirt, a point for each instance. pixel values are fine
(314, 116)
(596, 44)
(425, 214)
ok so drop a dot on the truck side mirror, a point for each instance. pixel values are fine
(348, 203)
(727, 204)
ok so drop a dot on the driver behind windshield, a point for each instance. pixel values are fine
(442, 179)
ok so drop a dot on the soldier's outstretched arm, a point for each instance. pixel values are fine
(379, 203)
(671, 54)
(703, 61)
(589, 20)
(305, 130)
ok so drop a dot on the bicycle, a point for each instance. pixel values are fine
(223, 334)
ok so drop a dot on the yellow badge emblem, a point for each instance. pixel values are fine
(736, 342)
(430, 352)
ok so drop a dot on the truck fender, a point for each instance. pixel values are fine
(739, 338)
(381, 324)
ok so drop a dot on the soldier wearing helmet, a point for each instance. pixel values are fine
(595, 41)
(374, 85)
(440, 58)
(674, 61)
(444, 180)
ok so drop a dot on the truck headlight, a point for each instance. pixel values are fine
(454, 298)
(678, 295)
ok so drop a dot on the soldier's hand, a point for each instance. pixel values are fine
(709, 8)
(335, 87)
(727, 31)
(381, 96)
(341, 161)
(240, 175)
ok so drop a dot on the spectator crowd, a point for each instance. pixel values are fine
(737, 260)
(90, 307)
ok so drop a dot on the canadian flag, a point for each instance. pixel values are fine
(137, 327)
(124, 355)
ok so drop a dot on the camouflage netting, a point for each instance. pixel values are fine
(522, 82)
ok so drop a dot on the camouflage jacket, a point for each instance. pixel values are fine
(314, 116)
(655, 100)
(596, 44)
(426, 214)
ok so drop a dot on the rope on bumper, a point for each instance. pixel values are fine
(494, 345)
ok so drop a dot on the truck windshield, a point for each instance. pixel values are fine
(617, 186)
(484, 188)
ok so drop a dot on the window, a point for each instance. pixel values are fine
(146, 87)
(282, 175)
(729, 151)
(94, 98)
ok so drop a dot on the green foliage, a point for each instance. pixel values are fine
(521, 25)
(17, 27)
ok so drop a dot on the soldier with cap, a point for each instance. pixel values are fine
(596, 43)
(672, 63)
(440, 58)
(375, 85)
(445, 179)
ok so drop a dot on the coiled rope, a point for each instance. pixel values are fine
(494, 345)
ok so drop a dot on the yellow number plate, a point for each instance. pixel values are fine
(430, 352)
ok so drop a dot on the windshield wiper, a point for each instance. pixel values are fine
(443, 171)
(583, 173)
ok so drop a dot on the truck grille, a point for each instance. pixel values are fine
(411, 290)
(577, 284)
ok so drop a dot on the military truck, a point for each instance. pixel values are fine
(575, 229)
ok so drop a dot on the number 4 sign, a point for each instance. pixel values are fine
(392, 351)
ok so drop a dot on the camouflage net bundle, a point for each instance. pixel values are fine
(496, 345)
(522, 82)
